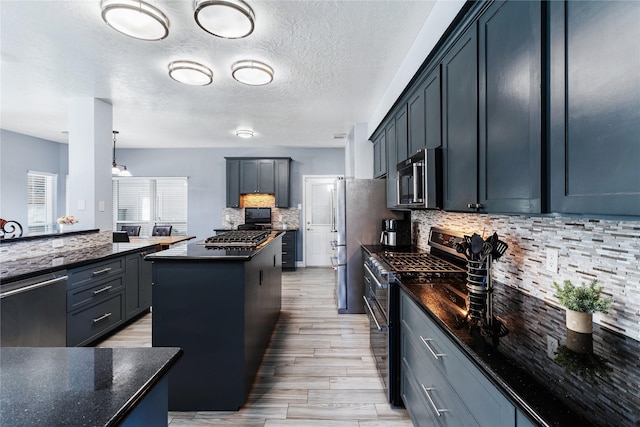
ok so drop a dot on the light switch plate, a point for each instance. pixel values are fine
(552, 260)
(101, 206)
(58, 243)
(82, 205)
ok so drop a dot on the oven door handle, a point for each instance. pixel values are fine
(373, 316)
(378, 284)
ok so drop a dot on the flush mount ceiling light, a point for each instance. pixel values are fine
(190, 73)
(229, 19)
(135, 18)
(252, 73)
(244, 133)
(115, 168)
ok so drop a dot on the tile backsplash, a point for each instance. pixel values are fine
(606, 250)
(290, 216)
(11, 251)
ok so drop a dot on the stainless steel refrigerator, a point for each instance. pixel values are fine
(359, 206)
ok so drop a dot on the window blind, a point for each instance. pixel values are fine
(149, 201)
(42, 189)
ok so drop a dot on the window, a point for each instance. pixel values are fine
(41, 202)
(149, 201)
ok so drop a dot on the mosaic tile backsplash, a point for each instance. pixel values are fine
(290, 216)
(606, 250)
(44, 247)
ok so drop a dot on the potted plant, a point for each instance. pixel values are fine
(581, 302)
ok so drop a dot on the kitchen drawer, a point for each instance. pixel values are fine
(94, 291)
(86, 324)
(487, 404)
(428, 390)
(99, 270)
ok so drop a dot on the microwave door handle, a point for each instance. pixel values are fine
(416, 177)
(398, 187)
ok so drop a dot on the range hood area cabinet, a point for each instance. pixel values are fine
(248, 175)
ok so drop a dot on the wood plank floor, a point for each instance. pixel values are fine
(317, 371)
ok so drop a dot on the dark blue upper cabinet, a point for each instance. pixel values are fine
(392, 163)
(402, 134)
(379, 155)
(510, 126)
(460, 123)
(595, 107)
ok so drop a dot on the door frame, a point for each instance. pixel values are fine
(303, 224)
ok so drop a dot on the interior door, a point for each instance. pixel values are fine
(318, 217)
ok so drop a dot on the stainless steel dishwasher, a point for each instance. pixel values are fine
(33, 312)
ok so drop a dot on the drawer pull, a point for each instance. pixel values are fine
(99, 291)
(104, 316)
(433, 404)
(425, 341)
(103, 271)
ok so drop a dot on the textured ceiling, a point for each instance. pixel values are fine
(333, 61)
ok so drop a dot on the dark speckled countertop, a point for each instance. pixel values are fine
(77, 386)
(23, 268)
(600, 388)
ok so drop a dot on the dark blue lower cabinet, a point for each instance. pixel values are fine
(439, 383)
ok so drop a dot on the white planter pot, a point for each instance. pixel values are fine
(580, 322)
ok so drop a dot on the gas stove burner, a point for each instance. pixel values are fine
(413, 263)
(237, 239)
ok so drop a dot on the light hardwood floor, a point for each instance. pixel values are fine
(317, 371)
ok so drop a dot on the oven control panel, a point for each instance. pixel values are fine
(445, 240)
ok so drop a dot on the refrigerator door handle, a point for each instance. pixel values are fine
(333, 210)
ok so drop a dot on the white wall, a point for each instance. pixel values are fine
(22, 153)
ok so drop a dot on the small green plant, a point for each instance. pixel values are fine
(586, 299)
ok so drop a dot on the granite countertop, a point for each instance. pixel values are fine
(24, 268)
(197, 251)
(601, 387)
(77, 386)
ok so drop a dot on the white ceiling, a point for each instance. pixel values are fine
(333, 62)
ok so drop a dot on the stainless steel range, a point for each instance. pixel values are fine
(237, 239)
(442, 267)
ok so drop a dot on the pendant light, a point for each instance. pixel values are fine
(228, 19)
(115, 168)
(135, 18)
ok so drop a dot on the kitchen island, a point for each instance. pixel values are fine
(220, 306)
(85, 386)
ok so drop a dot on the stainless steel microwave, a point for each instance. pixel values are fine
(418, 180)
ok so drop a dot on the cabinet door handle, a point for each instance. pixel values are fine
(425, 341)
(104, 316)
(475, 206)
(103, 271)
(99, 291)
(433, 404)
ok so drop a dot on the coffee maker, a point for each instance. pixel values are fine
(396, 233)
